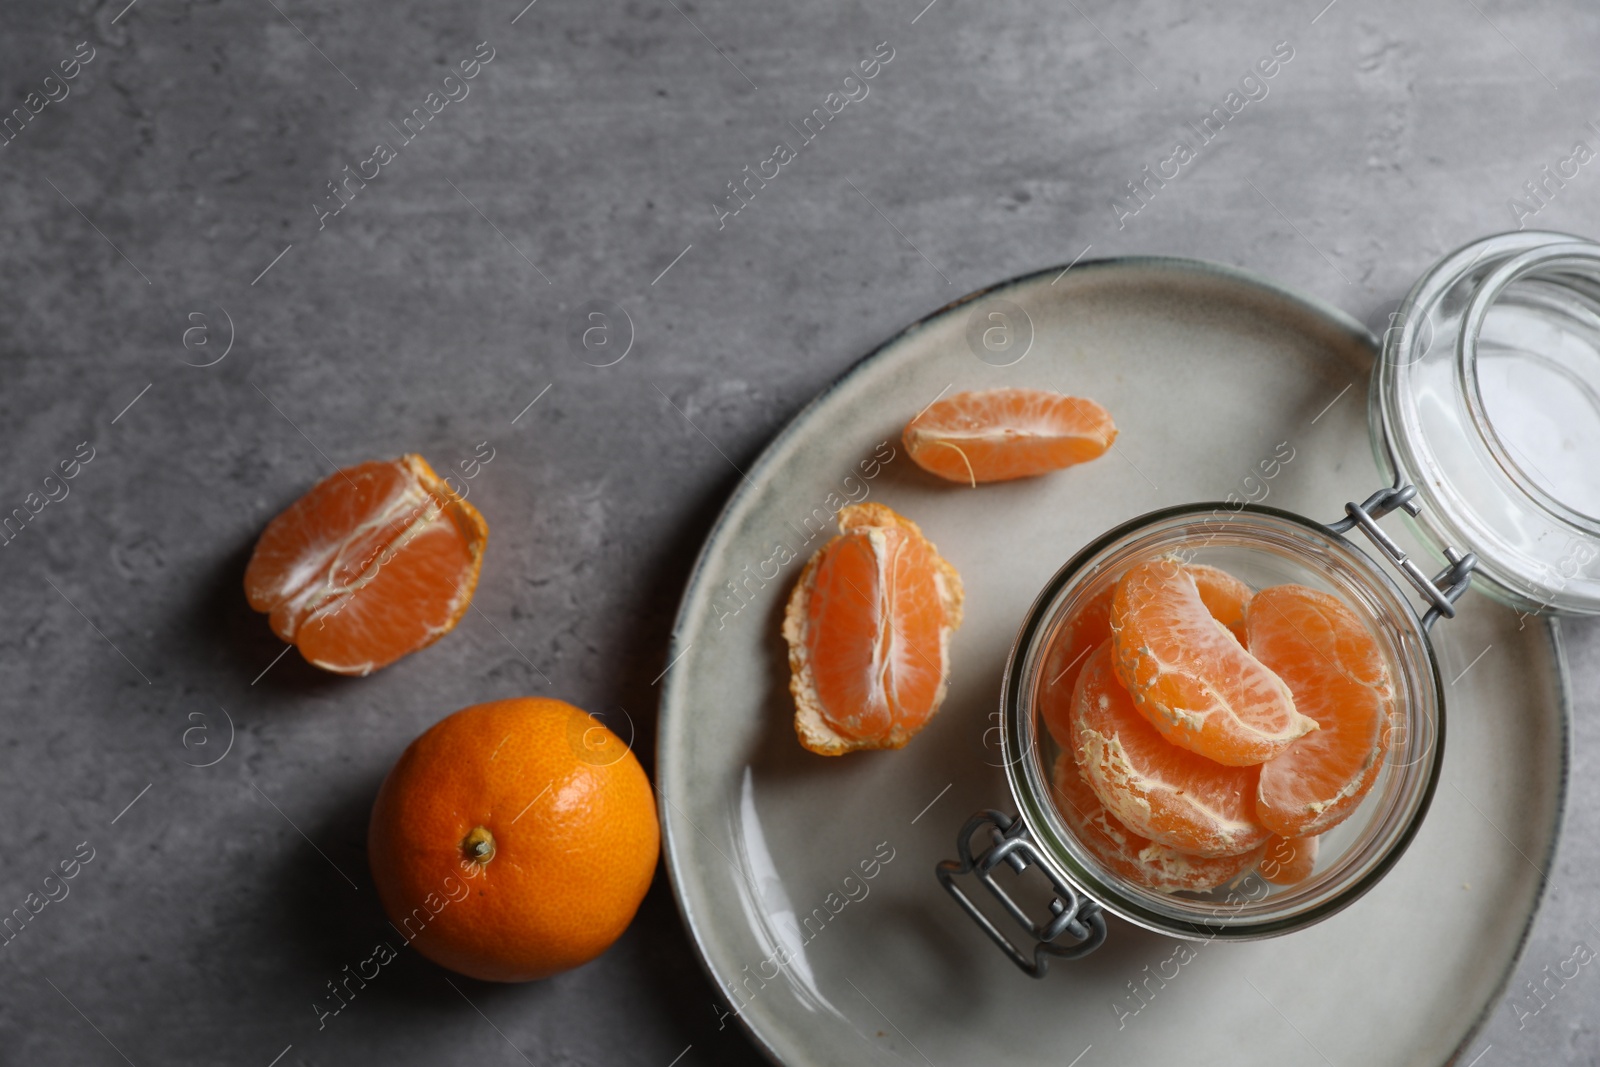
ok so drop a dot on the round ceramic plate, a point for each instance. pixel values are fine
(808, 882)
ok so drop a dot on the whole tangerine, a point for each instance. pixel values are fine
(514, 840)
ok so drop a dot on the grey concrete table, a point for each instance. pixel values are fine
(185, 177)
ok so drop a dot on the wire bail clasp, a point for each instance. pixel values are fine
(1443, 589)
(1071, 913)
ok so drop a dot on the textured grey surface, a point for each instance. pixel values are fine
(190, 151)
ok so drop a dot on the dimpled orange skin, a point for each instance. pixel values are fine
(574, 840)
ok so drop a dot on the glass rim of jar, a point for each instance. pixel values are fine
(1195, 919)
(1550, 264)
(1479, 275)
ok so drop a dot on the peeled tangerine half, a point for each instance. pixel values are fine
(999, 434)
(868, 627)
(1190, 676)
(1338, 675)
(1125, 853)
(374, 562)
(1157, 790)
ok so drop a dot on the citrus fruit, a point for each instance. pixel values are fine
(1089, 626)
(1338, 675)
(1288, 862)
(1190, 676)
(372, 563)
(999, 434)
(1130, 856)
(1160, 791)
(514, 840)
(868, 626)
(1223, 595)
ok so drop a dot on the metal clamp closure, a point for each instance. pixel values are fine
(1443, 589)
(1070, 913)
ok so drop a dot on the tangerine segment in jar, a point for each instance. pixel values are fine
(1085, 631)
(999, 434)
(1190, 676)
(514, 840)
(1130, 856)
(1288, 862)
(374, 562)
(1160, 791)
(868, 627)
(1225, 596)
(1337, 672)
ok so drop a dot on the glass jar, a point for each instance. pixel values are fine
(1486, 412)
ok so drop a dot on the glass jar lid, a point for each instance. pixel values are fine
(1488, 401)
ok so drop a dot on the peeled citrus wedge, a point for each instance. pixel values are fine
(372, 563)
(1338, 675)
(1000, 434)
(1288, 862)
(1159, 791)
(1088, 628)
(1130, 856)
(1189, 675)
(868, 627)
(1223, 595)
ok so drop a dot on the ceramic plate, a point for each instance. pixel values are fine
(807, 882)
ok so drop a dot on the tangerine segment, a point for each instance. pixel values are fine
(1157, 790)
(1190, 676)
(1125, 853)
(999, 434)
(1223, 595)
(514, 839)
(1337, 672)
(1288, 862)
(374, 562)
(1089, 626)
(868, 626)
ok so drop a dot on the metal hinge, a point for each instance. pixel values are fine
(1443, 589)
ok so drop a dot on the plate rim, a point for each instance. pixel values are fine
(1335, 316)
